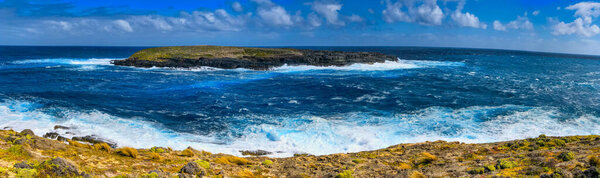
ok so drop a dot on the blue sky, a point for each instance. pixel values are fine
(543, 25)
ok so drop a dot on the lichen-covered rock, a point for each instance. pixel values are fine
(23, 165)
(27, 132)
(61, 168)
(192, 168)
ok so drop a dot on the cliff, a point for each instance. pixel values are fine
(243, 57)
(23, 154)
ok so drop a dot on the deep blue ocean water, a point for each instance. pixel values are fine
(468, 95)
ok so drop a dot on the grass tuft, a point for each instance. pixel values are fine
(102, 146)
(127, 151)
(232, 160)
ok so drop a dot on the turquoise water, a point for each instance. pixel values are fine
(468, 95)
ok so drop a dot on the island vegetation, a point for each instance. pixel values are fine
(228, 57)
(23, 154)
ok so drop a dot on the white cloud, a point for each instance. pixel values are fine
(157, 22)
(355, 18)
(585, 9)
(237, 7)
(582, 25)
(219, 20)
(424, 12)
(521, 23)
(273, 14)
(66, 26)
(328, 10)
(466, 19)
(314, 20)
(123, 25)
(535, 13)
(499, 26)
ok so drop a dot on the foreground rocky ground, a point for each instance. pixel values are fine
(22, 154)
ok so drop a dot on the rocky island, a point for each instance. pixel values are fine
(23, 154)
(226, 57)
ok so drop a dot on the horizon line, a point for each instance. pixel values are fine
(448, 47)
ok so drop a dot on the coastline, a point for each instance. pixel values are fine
(24, 154)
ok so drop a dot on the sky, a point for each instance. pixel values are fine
(535, 25)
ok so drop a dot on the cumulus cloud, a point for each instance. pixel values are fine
(424, 12)
(521, 23)
(237, 7)
(218, 20)
(273, 14)
(123, 25)
(582, 25)
(329, 10)
(586, 9)
(466, 19)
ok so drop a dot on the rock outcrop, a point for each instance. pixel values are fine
(242, 57)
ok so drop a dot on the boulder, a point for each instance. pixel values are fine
(23, 165)
(27, 132)
(62, 168)
(95, 139)
(255, 152)
(56, 127)
(51, 135)
(192, 168)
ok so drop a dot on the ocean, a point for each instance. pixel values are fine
(452, 94)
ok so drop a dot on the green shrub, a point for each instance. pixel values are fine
(267, 162)
(505, 164)
(479, 170)
(345, 174)
(566, 156)
(358, 161)
(594, 161)
(203, 164)
(489, 168)
(157, 150)
(26, 173)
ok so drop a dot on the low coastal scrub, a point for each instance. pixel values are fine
(128, 151)
(27, 155)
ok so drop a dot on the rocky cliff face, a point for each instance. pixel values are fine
(257, 61)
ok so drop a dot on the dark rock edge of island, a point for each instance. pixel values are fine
(226, 57)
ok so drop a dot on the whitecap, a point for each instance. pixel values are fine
(347, 132)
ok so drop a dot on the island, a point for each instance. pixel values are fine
(227, 57)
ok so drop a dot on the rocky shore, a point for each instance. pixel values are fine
(23, 154)
(243, 57)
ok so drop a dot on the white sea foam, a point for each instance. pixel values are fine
(383, 66)
(71, 61)
(315, 135)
